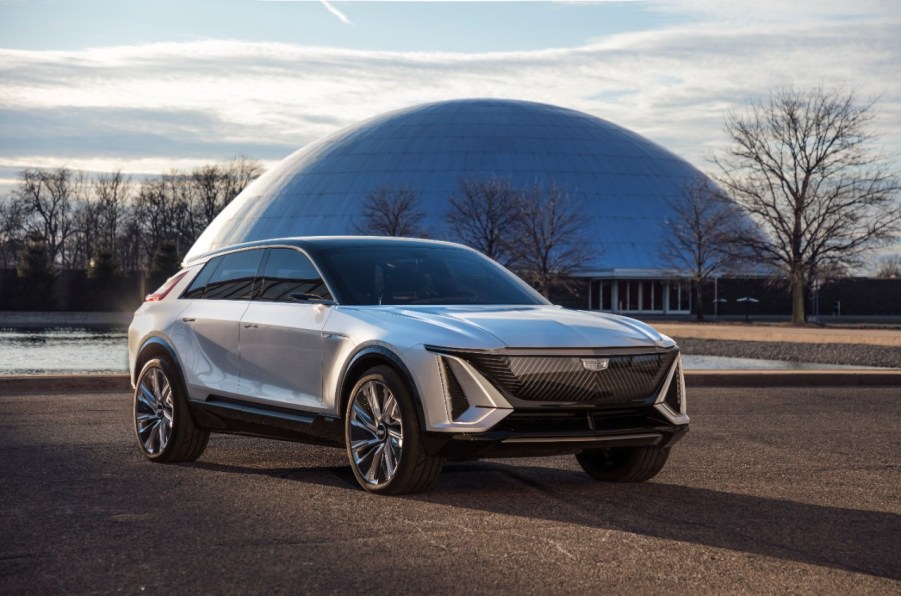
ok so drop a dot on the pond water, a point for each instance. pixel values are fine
(68, 350)
(62, 351)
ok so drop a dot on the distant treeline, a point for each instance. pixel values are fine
(77, 221)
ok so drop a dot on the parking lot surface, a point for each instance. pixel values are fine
(788, 489)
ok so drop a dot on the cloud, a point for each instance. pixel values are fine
(180, 101)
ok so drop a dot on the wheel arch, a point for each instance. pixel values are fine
(155, 347)
(369, 357)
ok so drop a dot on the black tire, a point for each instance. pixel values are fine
(160, 404)
(366, 431)
(623, 464)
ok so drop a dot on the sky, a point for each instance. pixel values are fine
(99, 85)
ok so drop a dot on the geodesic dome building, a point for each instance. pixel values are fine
(621, 178)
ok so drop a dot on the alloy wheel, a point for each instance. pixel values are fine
(376, 433)
(154, 409)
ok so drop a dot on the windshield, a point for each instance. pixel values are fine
(422, 275)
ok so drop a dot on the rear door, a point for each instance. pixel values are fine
(207, 331)
(281, 352)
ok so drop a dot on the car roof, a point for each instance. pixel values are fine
(314, 244)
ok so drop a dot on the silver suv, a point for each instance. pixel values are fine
(403, 352)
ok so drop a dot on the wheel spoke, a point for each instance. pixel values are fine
(164, 433)
(372, 474)
(145, 396)
(363, 417)
(153, 433)
(146, 425)
(155, 383)
(358, 446)
(374, 404)
(390, 408)
(390, 459)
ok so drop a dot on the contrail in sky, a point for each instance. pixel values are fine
(328, 5)
(343, 18)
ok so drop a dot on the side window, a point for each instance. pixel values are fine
(195, 290)
(233, 278)
(290, 272)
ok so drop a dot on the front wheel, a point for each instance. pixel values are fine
(383, 437)
(623, 464)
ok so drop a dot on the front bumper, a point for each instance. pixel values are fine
(558, 432)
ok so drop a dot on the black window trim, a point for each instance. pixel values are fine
(220, 257)
(263, 261)
(257, 288)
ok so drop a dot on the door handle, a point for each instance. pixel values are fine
(250, 325)
(188, 319)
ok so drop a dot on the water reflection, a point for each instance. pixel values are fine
(68, 350)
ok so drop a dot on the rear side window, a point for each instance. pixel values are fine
(290, 276)
(231, 278)
(195, 290)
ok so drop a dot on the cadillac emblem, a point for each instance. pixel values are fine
(595, 364)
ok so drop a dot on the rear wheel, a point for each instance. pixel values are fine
(383, 436)
(623, 464)
(164, 427)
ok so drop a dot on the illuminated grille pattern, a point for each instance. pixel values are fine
(673, 396)
(565, 379)
(459, 404)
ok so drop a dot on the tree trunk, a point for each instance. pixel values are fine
(798, 316)
(699, 301)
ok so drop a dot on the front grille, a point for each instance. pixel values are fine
(627, 378)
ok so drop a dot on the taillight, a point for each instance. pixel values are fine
(164, 289)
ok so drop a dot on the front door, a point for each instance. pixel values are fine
(281, 352)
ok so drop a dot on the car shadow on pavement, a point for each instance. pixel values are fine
(848, 539)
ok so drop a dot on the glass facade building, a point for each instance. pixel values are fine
(622, 179)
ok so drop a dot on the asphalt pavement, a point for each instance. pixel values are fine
(773, 490)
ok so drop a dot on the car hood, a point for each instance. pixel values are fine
(539, 326)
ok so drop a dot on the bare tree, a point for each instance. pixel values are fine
(392, 212)
(84, 240)
(12, 232)
(550, 241)
(890, 267)
(207, 186)
(158, 215)
(237, 175)
(112, 192)
(47, 198)
(803, 165)
(699, 237)
(483, 215)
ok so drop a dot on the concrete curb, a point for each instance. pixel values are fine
(890, 338)
(85, 383)
(119, 383)
(793, 378)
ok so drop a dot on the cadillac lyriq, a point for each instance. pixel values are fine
(406, 354)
